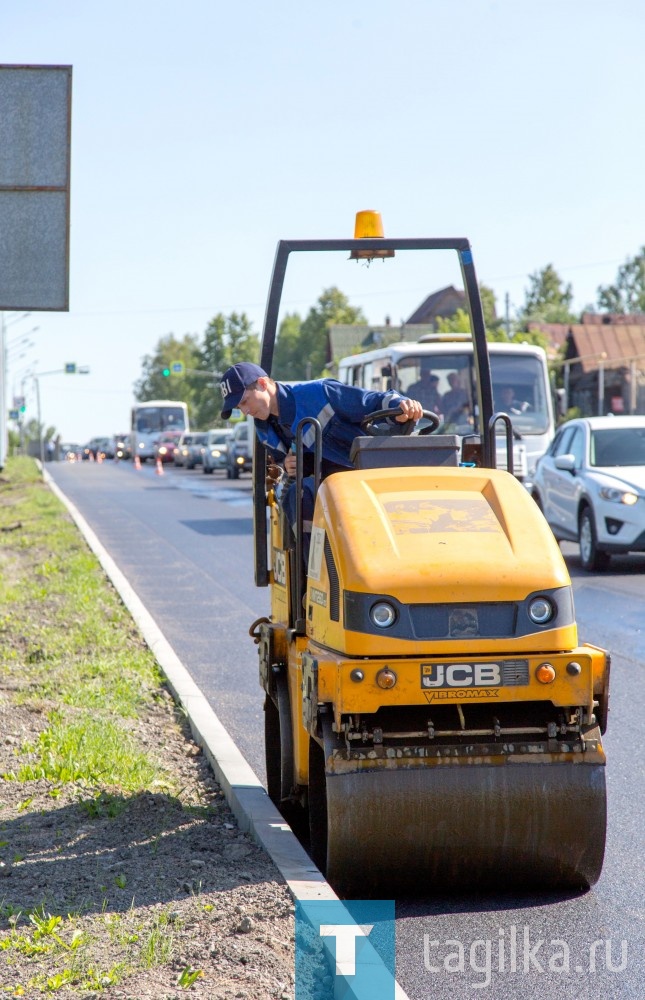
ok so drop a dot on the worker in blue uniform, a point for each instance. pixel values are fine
(277, 410)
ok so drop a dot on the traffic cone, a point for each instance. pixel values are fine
(137, 462)
(159, 469)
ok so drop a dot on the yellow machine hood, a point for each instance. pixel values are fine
(448, 535)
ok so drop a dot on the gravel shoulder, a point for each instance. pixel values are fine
(155, 893)
(153, 879)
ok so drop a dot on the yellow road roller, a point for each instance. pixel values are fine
(432, 722)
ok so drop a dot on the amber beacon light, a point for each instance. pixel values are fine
(369, 225)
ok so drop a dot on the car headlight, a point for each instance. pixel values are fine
(541, 610)
(615, 495)
(216, 454)
(382, 614)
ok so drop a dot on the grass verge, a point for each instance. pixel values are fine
(119, 859)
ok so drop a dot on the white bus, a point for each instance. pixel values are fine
(153, 418)
(438, 371)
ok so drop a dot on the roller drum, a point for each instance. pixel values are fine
(463, 827)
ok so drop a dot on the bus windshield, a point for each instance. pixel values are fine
(154, 419)
(444, 383)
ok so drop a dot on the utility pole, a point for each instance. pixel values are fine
(507, 315)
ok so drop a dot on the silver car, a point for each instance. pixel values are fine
(590, 485)
(215, 448)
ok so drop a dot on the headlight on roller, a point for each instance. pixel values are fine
(382, 614)
(541, 610)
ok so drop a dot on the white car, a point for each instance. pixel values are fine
(215, 449)
(590, 486)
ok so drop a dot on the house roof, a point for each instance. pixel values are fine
(445, 302)
(616, 343)
(556, 332)
(634, 319)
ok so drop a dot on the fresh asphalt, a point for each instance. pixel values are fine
(183, 542)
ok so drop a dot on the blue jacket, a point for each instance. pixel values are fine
(339, 409)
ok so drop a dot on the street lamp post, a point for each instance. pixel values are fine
(4, 326)
(40, 426)
(75, 369)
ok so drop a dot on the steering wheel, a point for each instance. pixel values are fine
(435, 422)
(406, 428)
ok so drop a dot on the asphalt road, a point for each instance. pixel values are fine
(184, 541)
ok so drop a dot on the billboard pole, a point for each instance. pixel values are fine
(3, 394)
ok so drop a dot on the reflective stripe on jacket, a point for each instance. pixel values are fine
(339, 409)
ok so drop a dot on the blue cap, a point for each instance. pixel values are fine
(235, 381)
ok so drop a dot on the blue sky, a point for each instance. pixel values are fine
(204, 132)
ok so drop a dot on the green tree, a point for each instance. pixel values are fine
(547, 300)
(489, 309)
(310, 348)
(459, 322)
(169, 350)
(286, 357)
(227, 340)
(627, 295)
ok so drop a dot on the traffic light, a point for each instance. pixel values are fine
(23, 408)
(166, 372)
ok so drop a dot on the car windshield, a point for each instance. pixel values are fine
(615, 446)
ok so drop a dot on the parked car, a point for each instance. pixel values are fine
(69, 452)
(122, 447)
(239, 455)
(165, 446)
(182, 451)
(215, 449)
(197, 450)
(590, 485)
(99, 446)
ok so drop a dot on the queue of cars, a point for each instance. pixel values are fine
(208, 449)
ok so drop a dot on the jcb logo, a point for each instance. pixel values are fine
(460, 675)
(280, 568)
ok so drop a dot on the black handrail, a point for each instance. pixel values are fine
(300, 623)
(508, 426)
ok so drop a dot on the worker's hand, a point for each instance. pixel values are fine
(290, 465)
(273, 475)
(411, 410)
